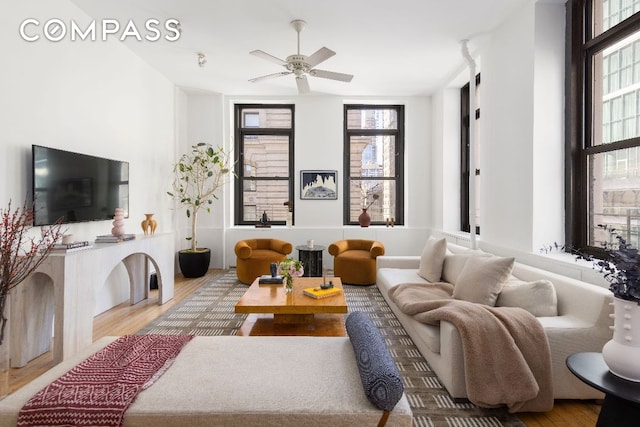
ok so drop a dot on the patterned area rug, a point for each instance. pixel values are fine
(210, 311)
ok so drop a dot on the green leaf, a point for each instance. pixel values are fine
(188, 213)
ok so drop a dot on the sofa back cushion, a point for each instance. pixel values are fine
(482, 279)
(379, 374)
(538, 297)
(454, 263)
(432, 259)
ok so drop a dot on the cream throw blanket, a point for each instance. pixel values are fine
(506, 353)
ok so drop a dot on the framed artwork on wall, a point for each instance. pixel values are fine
(318, 185)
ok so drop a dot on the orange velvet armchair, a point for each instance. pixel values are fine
(355, 260)
(254, 257)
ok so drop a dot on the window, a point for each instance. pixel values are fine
(374, 163)
(264, 162)
(604, 121)
(465, 163)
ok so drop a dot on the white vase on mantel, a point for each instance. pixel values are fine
(622, 353)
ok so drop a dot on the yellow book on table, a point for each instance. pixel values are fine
(322, 293)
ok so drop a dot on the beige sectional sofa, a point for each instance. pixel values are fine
(582, 322)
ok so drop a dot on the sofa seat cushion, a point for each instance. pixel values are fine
(266, 255)
(567, 322)
(394, 276)
(429, 335)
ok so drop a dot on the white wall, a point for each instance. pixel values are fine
(96, 98)
(506, 132)
(522, 143)
(521, 134)
(318, 145)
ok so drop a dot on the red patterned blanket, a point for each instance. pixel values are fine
(98, 391)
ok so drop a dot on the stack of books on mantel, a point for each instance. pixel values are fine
(71, 247)
(109, 238)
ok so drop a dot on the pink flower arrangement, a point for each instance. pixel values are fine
(290, 268)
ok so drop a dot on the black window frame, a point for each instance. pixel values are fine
(239, 135)
(465, 162)
(399, 159)
(581, 46)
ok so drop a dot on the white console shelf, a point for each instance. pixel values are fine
(60, 295)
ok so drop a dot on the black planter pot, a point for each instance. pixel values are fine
(194, 264)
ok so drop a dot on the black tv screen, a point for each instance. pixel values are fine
(77, 187)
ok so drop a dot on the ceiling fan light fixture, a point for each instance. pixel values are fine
(300, 65)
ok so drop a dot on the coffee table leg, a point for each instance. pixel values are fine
(292, 319)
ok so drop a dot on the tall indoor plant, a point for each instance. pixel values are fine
(20, 255)
(197, 178)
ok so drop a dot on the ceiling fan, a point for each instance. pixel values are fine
(301, 65)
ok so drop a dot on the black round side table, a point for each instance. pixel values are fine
(621, 406)
(311, 257)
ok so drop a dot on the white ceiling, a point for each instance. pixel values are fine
(393, 47)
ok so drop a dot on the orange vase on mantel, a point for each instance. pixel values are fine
(149, 224)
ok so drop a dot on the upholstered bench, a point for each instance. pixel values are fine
(253, 381)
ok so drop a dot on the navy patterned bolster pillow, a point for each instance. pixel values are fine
(379, 374)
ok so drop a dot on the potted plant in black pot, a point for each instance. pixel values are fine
(198, 177)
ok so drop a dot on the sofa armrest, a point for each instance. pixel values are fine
(242, 249)
(281, 246)
(377, 249)
(389, 261)
(338, 247)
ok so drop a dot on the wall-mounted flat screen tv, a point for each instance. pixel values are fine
(77, 187)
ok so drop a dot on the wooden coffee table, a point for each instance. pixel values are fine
(275, 312)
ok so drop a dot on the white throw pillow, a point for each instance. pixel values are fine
(432, 259)
(454, 263)
(482, 279)
(538, 298)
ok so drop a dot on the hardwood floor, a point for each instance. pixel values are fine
(128, 319)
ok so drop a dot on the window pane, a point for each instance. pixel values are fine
(381, 207)
(608, 13)
(614, 197)
(266, 118)
(373, 156)
(379, 118)
(266, 155)
(616, 92)
(269, 196)
(264, 142)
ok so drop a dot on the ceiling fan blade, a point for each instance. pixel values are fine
(268, 57)
(269, 76)
(303, 84)
(331, 75)
(321, 55)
